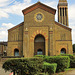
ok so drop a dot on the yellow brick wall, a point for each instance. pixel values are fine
(56, 37)
(15, 40)
(63, 40)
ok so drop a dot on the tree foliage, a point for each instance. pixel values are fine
(73, 48)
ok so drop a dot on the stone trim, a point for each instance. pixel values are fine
(16, 41)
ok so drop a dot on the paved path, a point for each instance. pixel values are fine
(72, 72)
(2, 71)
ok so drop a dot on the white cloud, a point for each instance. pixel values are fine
(3, 35)
(4, 32)
(72, 20)
(52, 4)
(72, 11)
(27, 1)
(16, 8)
(3, 14)
(8, 26)
(5, 2)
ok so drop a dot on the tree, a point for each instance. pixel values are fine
(73, 48)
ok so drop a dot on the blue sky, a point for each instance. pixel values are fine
(11, 14)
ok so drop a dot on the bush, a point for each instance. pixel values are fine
(63, 62)
(30, 66)
(42, 56)
(50, 68)
(72, 60)
(70, 56)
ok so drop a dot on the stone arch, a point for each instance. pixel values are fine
(39, 44)
(39, 32)
(16, 52)
(63, 51)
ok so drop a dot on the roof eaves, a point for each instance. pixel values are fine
(16, 26)
(63, 25)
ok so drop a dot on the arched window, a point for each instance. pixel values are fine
(39, 52)
(63, 51)
(16, 52)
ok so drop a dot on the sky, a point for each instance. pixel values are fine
(11, 14)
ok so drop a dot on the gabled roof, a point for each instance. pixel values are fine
(16, 26)
(39, 5)
(64, 26)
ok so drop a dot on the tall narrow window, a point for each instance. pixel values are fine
(60, 11)
(63, 11)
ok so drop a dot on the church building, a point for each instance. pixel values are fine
(40, 34)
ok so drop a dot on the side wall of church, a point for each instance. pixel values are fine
(15, 41)
(63, 40)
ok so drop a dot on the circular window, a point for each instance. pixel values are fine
(39, 17)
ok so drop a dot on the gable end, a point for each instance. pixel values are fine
(39, 5)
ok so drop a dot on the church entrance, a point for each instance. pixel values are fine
(39, 45)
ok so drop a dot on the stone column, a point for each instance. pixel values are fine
(59, 19)
(51, 41)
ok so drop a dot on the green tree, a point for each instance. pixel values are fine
(73, 48)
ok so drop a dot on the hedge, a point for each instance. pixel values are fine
(72, 59)
(42, 56)
(63, 62)
(50, 68)
(30, 66)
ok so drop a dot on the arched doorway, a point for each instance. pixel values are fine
(16, 52)
(39, 45)
(63, 51)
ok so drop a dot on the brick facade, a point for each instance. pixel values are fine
(22, 37)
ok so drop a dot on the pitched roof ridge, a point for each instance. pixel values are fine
(16, 26)
(38, 4)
